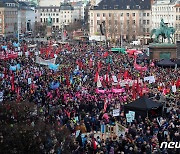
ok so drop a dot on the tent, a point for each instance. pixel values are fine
(166, 63)
(177, 62)
(144, 107)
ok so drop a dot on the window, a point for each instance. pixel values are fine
(148, 14)
(144, 22)
(41, 20)
(115, 7)
(98, 22)
(109, 14)
(98, 15)
(127, 14)
(109, 22)
(134, 14)
(134, 22)
(127, 22)
(144, 14)
(104, 14)
(144, 30)
(147, 30)
(147, 22)
(91, 22)
(57, 20)
(121, 14)
(104, 6)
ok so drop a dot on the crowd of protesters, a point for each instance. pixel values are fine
(69, 97)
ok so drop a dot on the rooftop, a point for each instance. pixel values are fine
(124, 5)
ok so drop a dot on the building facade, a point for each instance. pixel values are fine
(61, 15)
(177, 22)
(8, 18)
(128, 19)
(166, 10)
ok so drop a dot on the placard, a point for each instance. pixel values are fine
(116, 112)
(128, 118)
(132, 113)
(174, 88)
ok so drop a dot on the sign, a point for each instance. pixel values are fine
(1, 96)
(174, 88)
(128, 118)
(120, 130)
(114, 79)
(132, 113)
(103, 128)
(151, 79)
(29, 80)
(77, 133)
(116, 112)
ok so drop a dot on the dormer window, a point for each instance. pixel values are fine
(115, 7)
(104, 6)
(128, 7)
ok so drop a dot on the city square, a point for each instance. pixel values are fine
(90, 76)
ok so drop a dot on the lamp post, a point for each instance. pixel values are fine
(62, 31)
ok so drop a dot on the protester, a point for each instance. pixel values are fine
(80, 91)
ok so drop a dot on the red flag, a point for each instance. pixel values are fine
(96, 76)
(126, 74)
(90, 63)
(109, 68)
(52, 54)
(67, 81)
(12, 82)
(99, 65)
(178, 83)
(105, 104)
(107, 77)
(18, 93)
(105, 54)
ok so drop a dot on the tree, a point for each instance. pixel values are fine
(23, 130)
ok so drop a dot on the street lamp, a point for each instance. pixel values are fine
(62, 31)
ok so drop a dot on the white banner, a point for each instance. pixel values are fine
(41, 61)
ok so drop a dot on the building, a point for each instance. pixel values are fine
(8, 18)
(61, 15)
(125, 19)
(177, 22)
(47, 3)
(166, 9)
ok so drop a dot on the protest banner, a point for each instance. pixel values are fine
(116, 112)
(41, 61)
(120, 129)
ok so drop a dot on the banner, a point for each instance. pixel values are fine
(53, 67)
(15, 67)
(54, 85)
(41, 61)
(151, 79)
